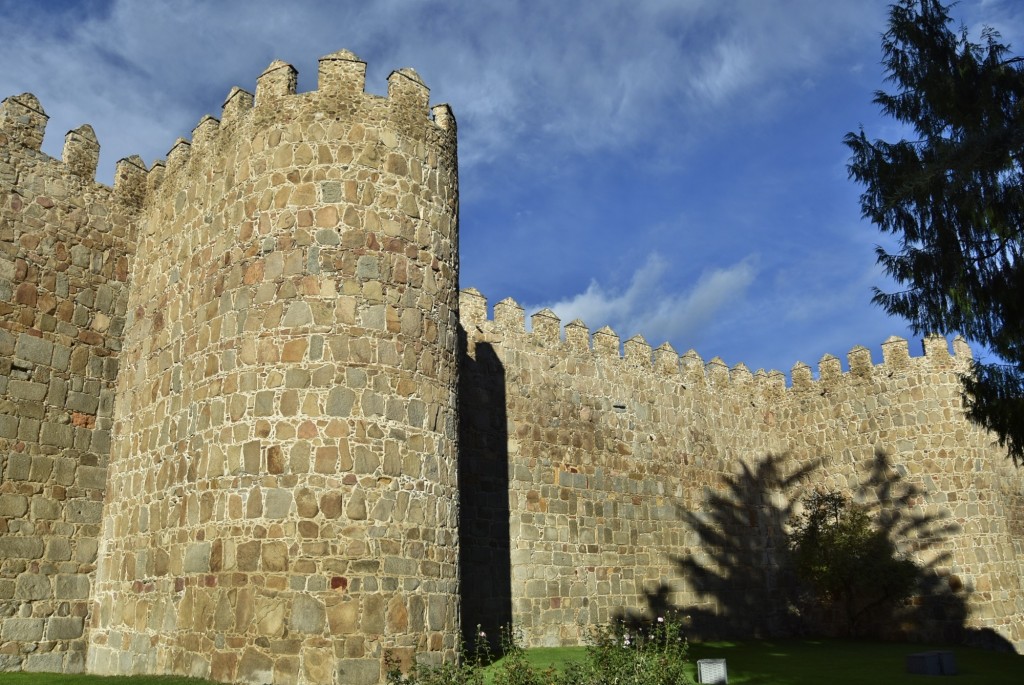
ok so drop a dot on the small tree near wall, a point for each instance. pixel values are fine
(852, 575)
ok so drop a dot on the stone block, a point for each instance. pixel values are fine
(6, 338)
(274, 556)
(100, 442)
(83, 402)
(400, 566)
(41, 469)
(264, 403)
(437, 612)
(305, 503)
(19, 467)
(84, 511)
(331, 504)
(22, 629)
(13, 505)
(247, 555)
(318, 665)
(373, 614)
(359, 671)
(92, 477)
(44, 508)
(8, 426)
(86, 551)
(57, 434)
(251, 456)
(278, 503)
(27, 390)
(197, 558)
(308, 615)
(33, 349)
(270, 616)
(340, 401)
(20, 548)
(255, 667)
(71, 586)
(32, 586)
(58, 549)
(64, 627)
(343, 617)
(61, 357)
(57, 393)
(298, 314)
(52, 662)
(222, 666)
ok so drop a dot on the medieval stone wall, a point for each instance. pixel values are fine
(65, 246)
(602, 452)
(642, 480)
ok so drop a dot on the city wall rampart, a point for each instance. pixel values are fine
(251, 430)
(612, 453)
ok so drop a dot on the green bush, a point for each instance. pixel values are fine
(653, 653)
(469, 672)
(853, 576)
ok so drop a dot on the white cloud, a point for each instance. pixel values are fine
(647, 305)
(523, 78)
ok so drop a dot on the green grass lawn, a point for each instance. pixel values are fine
(835, 662)
(783, 662)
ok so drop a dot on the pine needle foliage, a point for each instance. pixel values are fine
(953, 198)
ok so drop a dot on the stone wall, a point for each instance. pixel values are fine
(282, 492)
(910, 409)
(640, 481)
(65, 246)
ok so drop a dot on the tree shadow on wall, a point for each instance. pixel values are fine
(741, 541)
(741, 574)
(938, 609)
(484, 547)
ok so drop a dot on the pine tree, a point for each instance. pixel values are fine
(953, 197)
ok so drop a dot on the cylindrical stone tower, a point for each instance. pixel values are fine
(282, 501)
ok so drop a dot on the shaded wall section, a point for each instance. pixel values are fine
(485, 556)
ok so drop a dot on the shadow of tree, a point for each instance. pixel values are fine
(740, 573)
(740, 562)
(938, 608)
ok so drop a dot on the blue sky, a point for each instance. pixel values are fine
(673, 169)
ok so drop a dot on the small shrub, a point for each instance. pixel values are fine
(513, 669)
(469, 672)
(654, 653)
(619, 654)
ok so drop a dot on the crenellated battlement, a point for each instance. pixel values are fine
(404, 119)
(339, 109)
(23, 121)
(23, 125)
(546, 332)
